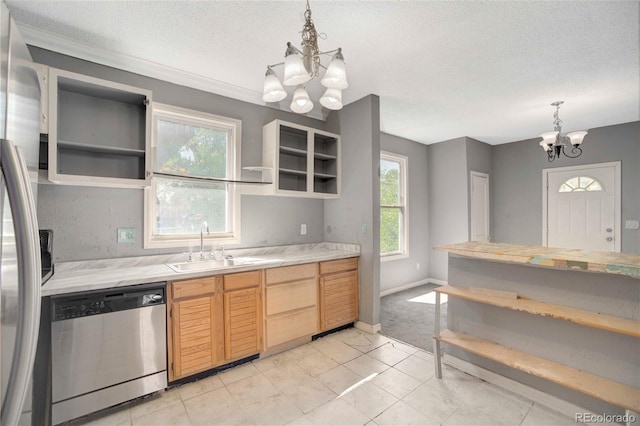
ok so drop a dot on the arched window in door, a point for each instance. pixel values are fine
(580, 183)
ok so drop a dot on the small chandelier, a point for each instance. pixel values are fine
(300, 66)
(555, 143)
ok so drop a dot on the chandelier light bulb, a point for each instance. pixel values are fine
(295, 72)
(332, 99)
(336, 75)
(549, 138)
(301, 102)
(576, 137)
(273, 90)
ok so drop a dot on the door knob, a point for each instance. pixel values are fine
(609, 230)
(609, 239)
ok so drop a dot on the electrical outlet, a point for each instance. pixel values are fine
(127, 235)
(632, 224)
(364, 228)
(417, 266)
(303, 229)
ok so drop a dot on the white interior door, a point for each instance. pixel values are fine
(479, 207)
(583, 207)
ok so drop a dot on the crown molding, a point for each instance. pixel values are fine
(54, 42)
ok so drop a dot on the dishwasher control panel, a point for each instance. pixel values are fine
(79, 305)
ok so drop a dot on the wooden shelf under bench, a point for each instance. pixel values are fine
(598, 387)
(595, 386)
(534, 307)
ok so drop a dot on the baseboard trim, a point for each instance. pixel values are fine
(368, 328)
(436, 281)
(412, 285)
(550, 401)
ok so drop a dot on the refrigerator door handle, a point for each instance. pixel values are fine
(25, 222)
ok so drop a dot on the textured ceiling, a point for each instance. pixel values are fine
(488, 70)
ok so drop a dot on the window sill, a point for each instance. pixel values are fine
(193, 243)
(392, 257)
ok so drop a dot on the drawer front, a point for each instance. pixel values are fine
(287, 327)
(339, 265)
(337, 281)
(242, 280)
(291, 296)
(196, 287)
(291, 273)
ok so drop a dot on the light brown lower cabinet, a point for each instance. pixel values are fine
(195, 338)
(219, 319)
(243, 314)
(291, 305)
(338, 293)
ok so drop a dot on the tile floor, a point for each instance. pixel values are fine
(347, 378)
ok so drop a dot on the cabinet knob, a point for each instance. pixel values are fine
(609, 230)
(609, 239)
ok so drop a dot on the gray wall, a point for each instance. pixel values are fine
(517, 182)
(354, 217)
(396, 273)
(84, 219)
(448, 200)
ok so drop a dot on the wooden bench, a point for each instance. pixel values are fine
(595, 386)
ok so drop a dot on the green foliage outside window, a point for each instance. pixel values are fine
(183, 205)
(391, 210)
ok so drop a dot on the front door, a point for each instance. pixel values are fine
(582, 207)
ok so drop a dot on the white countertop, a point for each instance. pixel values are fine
(72, 277)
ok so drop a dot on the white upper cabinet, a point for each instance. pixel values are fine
(99, 131)
(305, 161)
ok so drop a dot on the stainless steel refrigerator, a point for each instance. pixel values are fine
(20, 272)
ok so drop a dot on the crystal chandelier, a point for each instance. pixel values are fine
(555, 143)
(300, 66)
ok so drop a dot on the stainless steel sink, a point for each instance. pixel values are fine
(205, 265)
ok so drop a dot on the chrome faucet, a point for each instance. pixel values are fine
(203, 226)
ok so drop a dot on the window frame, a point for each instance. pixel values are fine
(403, 161)
(196, 118)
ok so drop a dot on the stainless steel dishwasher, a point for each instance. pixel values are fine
(107, 347)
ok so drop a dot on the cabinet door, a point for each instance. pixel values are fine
(243, 322)
(197, 335)
(338, 299)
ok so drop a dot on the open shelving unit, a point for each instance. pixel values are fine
(306, 161)
(99, 131)
(595, 386)
(325, 163)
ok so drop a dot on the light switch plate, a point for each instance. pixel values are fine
(127, 235)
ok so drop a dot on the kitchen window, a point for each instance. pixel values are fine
(195, 154)
(393, 206)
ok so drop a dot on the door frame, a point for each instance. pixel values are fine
(617, 174)
(488, 205)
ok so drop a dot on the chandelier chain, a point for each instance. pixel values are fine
(556, 119)
(310, 41)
